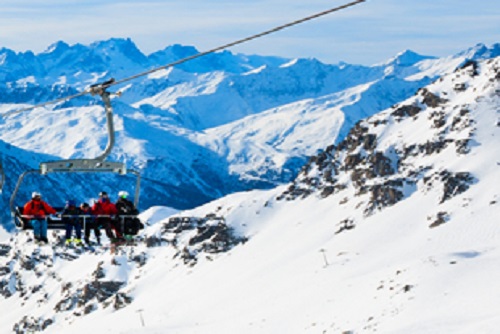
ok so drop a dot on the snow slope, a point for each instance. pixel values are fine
(393, 230)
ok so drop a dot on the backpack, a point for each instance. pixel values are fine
(132, 226)
(126, 207)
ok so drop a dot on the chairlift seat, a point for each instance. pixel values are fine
(53, 222)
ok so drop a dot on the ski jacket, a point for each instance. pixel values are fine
(38, 208)
(87, 212)
(71, 211)
(126, 207)
(104, 207)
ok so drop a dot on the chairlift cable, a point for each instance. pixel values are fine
(183, 60)
(241, 41)
(62, 99)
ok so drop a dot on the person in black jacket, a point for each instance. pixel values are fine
(89, 223)
(126, 209)
(70, 216)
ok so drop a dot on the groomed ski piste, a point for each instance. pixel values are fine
(393, 231)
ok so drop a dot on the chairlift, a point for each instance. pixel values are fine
(95, 165)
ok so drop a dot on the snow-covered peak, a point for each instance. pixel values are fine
(175, 52)
(57, 47)
(118, 47)
(407, 58)
(481, 51)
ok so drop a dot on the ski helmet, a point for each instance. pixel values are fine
(35, 194)
(122, 194)
(70, 202)
(103, 193)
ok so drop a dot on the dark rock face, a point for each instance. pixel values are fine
(438, 119)
(431, 100)
(346, 225)
(356, 137)
(462, 146)
(471, 66)
(31, 325)
(380, 165)
(294, 191)
(461, 121)
(4, 249)
(95, 291)
(453, 183)
(384, 195)
(430, 147)
(212, 235)
(460, 87)
(154, 241)
(100, 290)
(4, 289)
(406, 111)
(99, 272)
(351, 161)
(440, 219)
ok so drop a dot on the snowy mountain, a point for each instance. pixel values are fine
(392, 230)
(210, 127)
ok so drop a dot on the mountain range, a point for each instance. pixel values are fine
(389, 227)
(210, 127)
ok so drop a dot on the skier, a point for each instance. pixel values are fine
(126, 209)
(71, 218)
(89, 222)
(104, 210)
(37, 210)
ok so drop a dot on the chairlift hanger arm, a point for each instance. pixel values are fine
(100, 89)
(97, 164)
(92, 90)
(18, 185)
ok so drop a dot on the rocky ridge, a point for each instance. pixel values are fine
(382, 161)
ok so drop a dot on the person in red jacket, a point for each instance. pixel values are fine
(37, 210)
(104, 209)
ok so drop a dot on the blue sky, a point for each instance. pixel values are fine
(368, 33)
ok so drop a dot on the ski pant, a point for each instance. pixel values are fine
(73, 223)
(110, 226)
(92, 225)
(39, 227)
